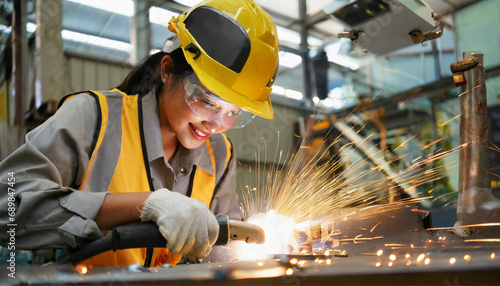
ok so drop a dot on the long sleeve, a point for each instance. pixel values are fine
(50, 212)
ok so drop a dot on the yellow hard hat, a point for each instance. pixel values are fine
(232, 46)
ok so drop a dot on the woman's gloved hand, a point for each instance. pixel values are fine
(188, 226)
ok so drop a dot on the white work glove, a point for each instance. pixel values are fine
(188, 226)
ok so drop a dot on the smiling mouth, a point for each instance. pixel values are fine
(199, 132)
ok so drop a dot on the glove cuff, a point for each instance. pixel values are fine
(149, 210)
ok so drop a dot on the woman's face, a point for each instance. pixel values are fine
(176, 116)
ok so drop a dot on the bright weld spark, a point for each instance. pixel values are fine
(443, 124)
(416, 159)
(373, 228)
(359, 239)
(375, 96)
(404, 143)
(478, 86)
(437, 198)
(432, 190)
(415, 91)
(488, 224)
(483, 240)
(354, 110)
(279, 234)
(445, 205)
(494, 147)
(306, 190)
(363, 127)
(301, 188)
(419, 211)
(395, 245)
(432, 143)
(498, 176)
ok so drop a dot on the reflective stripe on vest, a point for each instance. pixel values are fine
(117, 167)
(204, 182)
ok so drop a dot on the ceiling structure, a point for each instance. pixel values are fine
(102, 29)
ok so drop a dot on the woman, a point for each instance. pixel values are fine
(152, 149)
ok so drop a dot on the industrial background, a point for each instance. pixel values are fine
(342, 63)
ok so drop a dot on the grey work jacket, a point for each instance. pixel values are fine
(51, 213)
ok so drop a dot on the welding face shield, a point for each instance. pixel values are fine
(211, 107)
(232, 46)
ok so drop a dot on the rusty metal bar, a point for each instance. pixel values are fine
(476, 203)
(463, 65)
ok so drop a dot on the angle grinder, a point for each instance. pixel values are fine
(148, 235)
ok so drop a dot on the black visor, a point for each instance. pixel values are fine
(222, 38)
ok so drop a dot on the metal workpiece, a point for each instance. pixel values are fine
(397, 228)
(476, 204)
(386, 245)
(387, 269)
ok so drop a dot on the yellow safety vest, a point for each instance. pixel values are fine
(124, 148)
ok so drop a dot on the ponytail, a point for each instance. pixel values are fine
(146, 75)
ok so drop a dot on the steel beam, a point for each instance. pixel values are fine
(50, 83)
(140, 33)
(19, 48)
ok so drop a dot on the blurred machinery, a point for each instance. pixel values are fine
(371, 24)
(391, 245)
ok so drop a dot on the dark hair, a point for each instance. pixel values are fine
(146, 75)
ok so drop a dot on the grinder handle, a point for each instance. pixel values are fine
(148, 235)
(238, 230)
(248, 232)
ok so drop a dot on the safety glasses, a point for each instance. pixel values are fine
(210, 107)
